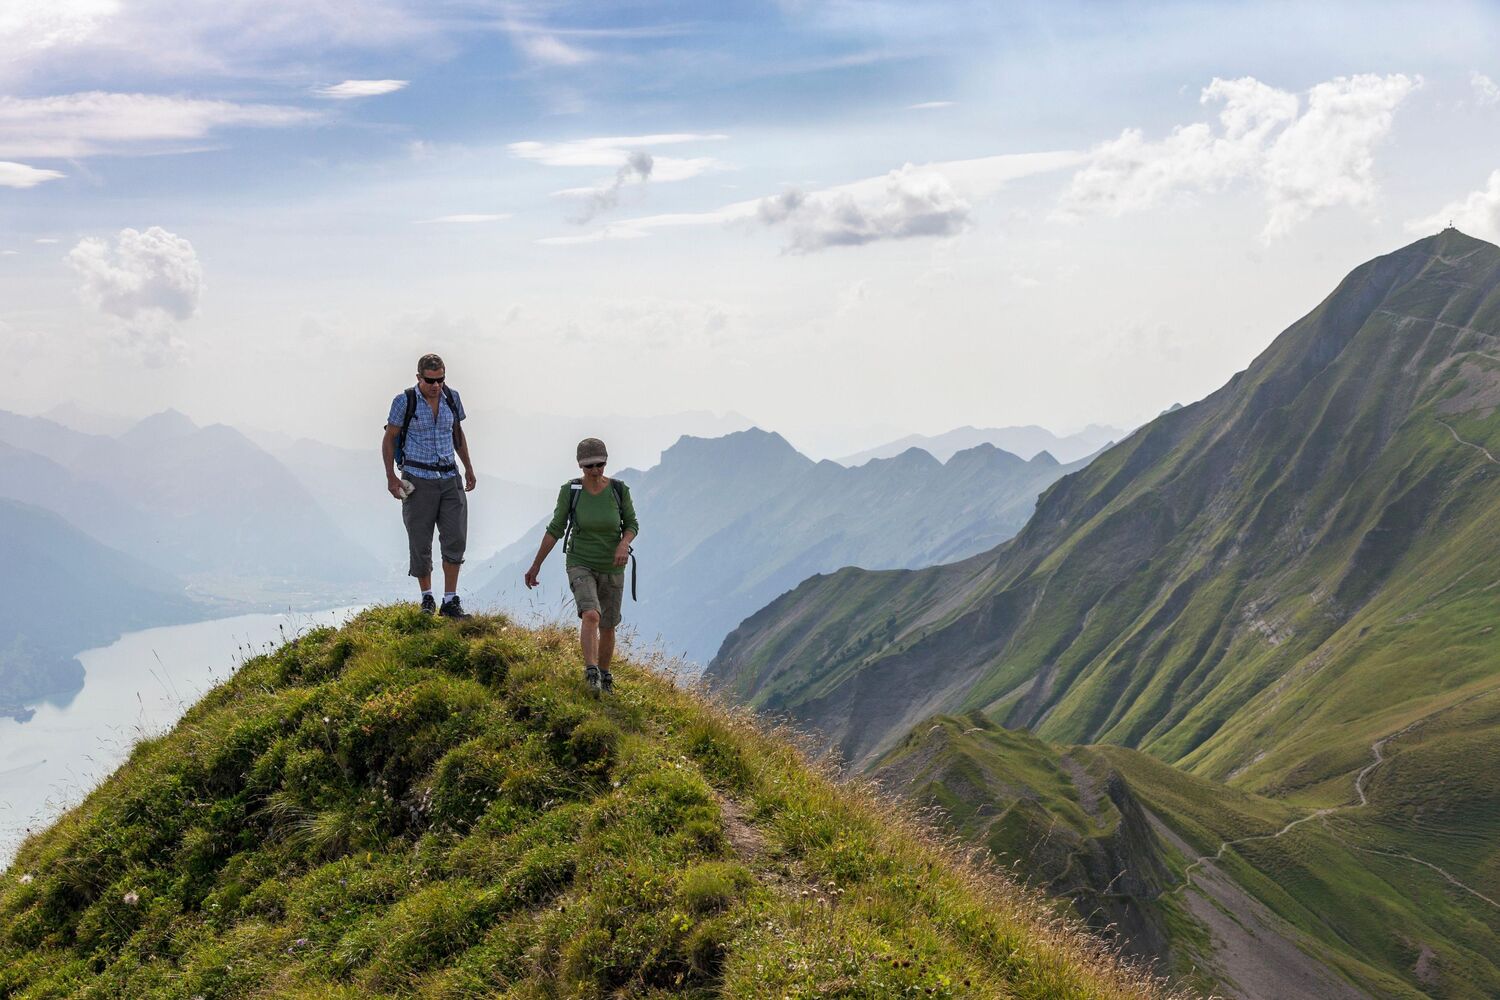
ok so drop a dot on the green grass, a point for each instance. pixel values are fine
(412, 807)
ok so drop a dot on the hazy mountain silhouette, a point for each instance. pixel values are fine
(67, 593)
(728, 523)
(1025, 442)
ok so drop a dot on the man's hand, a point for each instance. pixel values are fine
(622, 554)
(469, 480)
(393, 484)
(531, 576)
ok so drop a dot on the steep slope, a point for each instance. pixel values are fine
(413, 807)
(1242, 895)
(729, 523)
(1289, 586)
(1200, 589)
(64, 593)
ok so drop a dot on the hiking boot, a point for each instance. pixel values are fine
(595, 682)
(606, 682)
(429, 606)
(452, 609)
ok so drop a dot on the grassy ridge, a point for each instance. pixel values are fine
(411, 807)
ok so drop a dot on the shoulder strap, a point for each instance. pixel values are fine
(575, 486)
(619, 489)
(411, 411)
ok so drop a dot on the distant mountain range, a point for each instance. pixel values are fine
(66, 593)
(729, 523)
(1290, 591)
(202, 502)
(1025, 442)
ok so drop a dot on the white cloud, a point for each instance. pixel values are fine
(1477, 213)
(604, 151)
(48, 239)
(469, 218)
(361, 88)
(142, 277)
(35, 25)
(19, 175)
(88, 124)
(1486, 90)
(191, 39)
(1304, 162)
(931, 199)
(1327, 157)
(914, 202)
(9, 253)
(543, 45)
(929, 106)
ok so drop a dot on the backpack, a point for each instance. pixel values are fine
(411, 412)
(575, 488)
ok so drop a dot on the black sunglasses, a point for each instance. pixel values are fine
(593, 465)
(432, 381)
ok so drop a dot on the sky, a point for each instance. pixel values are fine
(847, 221)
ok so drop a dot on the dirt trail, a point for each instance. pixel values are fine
(1377, 750)
(1471, 444)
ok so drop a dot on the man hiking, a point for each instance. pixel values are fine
(595, 518)
(422, 433)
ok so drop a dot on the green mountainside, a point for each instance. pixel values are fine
(1290, 587)
(421, 808)
(69, 593)
(729, 523)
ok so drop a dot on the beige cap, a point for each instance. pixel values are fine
(591, 450)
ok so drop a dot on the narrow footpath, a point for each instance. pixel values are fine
(1377, 750)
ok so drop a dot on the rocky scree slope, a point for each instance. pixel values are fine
(421, 808)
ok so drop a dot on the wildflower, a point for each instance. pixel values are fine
(28, 878)
(131, 898)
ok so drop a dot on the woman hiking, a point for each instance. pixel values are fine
(595, 519)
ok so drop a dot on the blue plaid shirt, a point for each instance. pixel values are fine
(429, 440)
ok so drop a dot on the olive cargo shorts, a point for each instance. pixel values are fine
(595, 591)
(440, 504)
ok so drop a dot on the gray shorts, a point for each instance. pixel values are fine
(595, 591)
(440, 504)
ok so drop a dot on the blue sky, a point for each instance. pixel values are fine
(839, 219)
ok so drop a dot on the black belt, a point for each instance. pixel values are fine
(428, 468)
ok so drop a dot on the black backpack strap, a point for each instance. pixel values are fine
(453, 408)
(411, 411)
(619, 489)
(575, 487)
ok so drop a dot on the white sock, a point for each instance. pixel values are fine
(426, 593)
(449, 595)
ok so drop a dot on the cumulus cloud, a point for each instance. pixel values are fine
(361, 88)
(1486, 90)
(929, 200)
(19, 175)
(1303, 160)
(1477, 213)
(913, 203)
(88, 124)
(151, 280)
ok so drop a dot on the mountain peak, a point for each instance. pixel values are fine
(753, 445)
(167, 424)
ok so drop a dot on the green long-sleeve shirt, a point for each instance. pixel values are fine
(596, 526)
